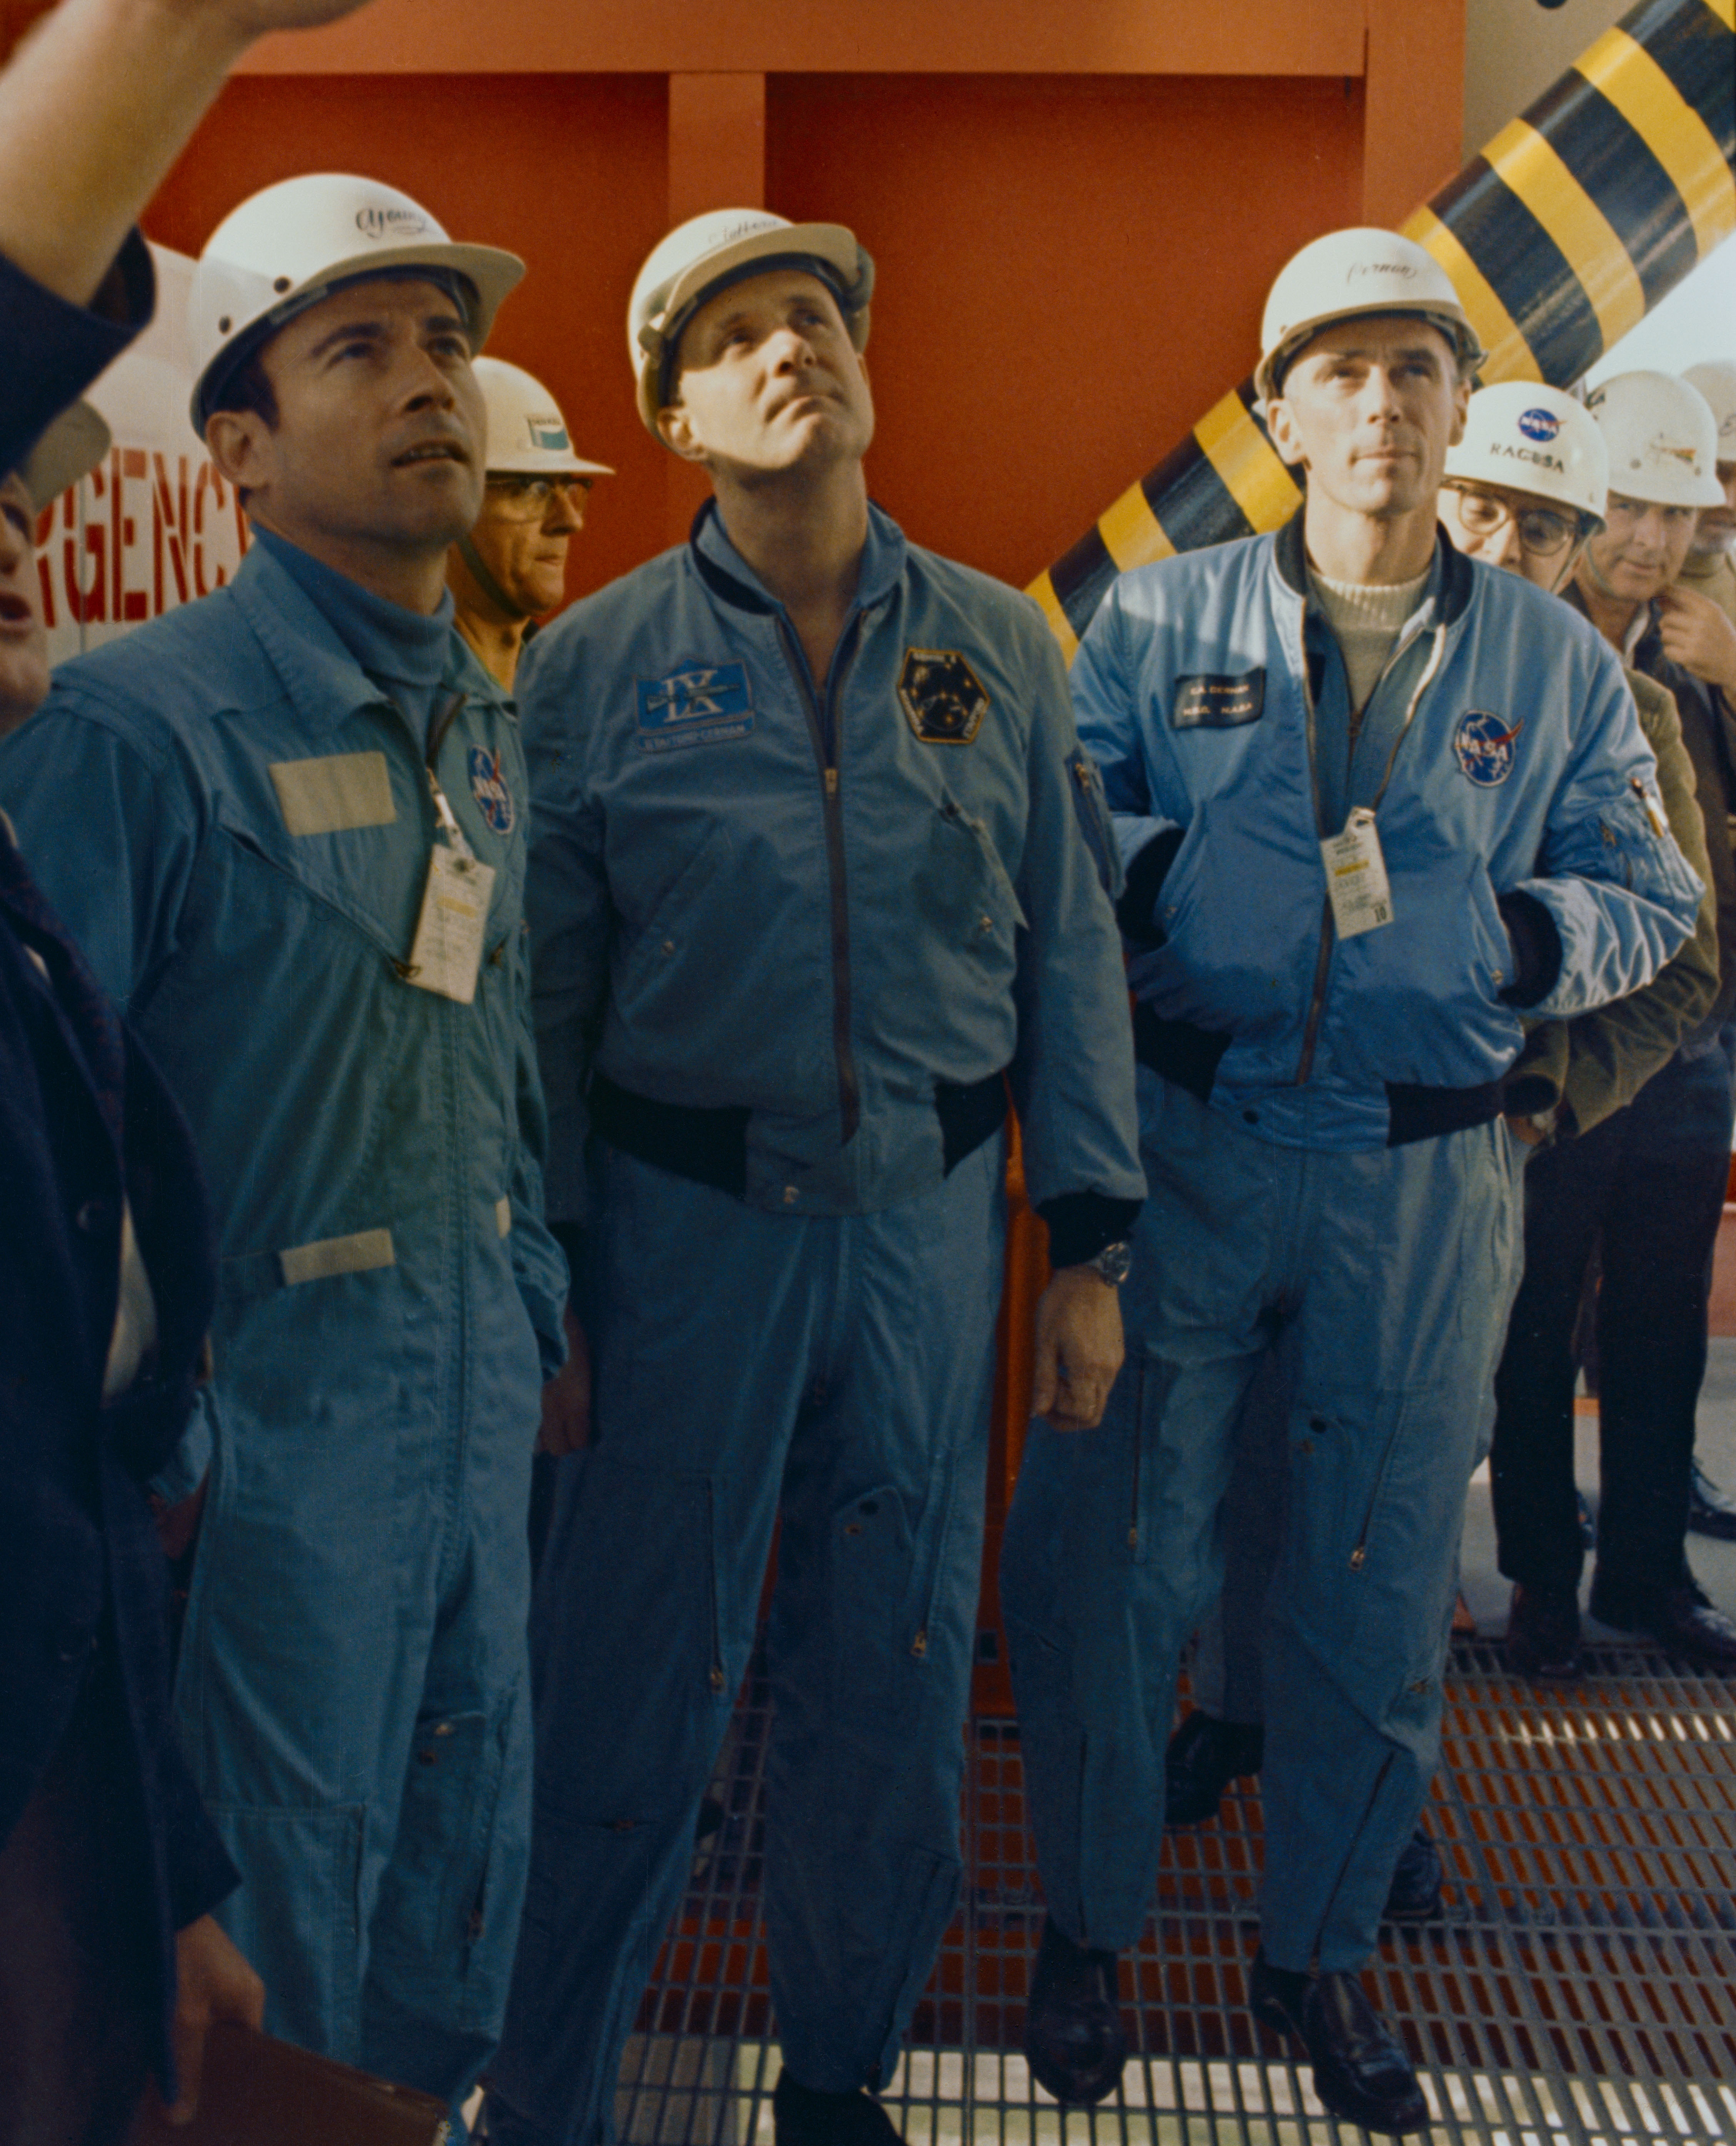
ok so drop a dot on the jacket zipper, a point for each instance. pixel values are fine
(1317, 1000)
(849, 1099)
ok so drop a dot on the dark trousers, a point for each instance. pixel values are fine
(75, 2006)
(1650, 1181)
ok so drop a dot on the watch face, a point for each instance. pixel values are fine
(1113, 1263)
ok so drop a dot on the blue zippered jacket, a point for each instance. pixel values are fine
(1516, 804)
(813, 905)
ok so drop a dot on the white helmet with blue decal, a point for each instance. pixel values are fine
(1532, 438)
(527, 435)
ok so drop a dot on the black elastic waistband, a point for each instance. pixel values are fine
(710, 1146)
(1188, 1056)
(1415, 1112)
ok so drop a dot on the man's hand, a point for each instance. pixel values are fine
(213, 1982)
(1079, 1348)
(566, 1396)
(1526, 1130)
(1696, 634)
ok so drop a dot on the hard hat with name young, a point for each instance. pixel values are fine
(70, 448)
(705, 255)
(1346, 275)
(1662, 438)
(527, 436)
(1528, 437)
(1716, 380)
(285, 249)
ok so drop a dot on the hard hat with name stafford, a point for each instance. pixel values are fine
(1347, 274)
(285, 248)
(527, 436)
(1716, 380)
(1532, 438)
(1662, 438)
(708, 253)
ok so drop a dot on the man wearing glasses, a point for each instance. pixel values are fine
(1651, 1178)
(511, 569)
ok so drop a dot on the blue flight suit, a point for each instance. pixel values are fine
(788, 939)
(1329, 1176)
(237, 822)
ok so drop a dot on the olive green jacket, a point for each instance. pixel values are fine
(1585, 1069)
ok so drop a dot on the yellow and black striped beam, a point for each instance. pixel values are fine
(1567, 229)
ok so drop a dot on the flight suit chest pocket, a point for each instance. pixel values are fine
(963, 888)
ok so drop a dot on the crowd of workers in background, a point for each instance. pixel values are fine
(429, 1030)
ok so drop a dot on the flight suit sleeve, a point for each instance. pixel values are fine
(566, 903)
(1617, 892)
(1106, 706)
(539, 1265)
(1587, 1069)
(110, 831)
(1072, 1075)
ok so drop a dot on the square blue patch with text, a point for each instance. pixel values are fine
(699, 704)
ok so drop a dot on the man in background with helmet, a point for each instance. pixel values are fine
(1523, 489)
(511, 569)
(1650, 1179)
(286, 825)
(1359, 841)
(816, 878)
(1709, 569)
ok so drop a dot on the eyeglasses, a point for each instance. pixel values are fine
(529, 498)
(1542, 532)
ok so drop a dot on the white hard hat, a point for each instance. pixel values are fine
(1662, 438)
(1716, 381)
(70, 448)
(1533, 438)
(284, 249)
(725, 246)
(527, 435)
(1349, 273)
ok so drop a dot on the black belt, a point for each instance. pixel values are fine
(710, 1146)
(1188, 1056)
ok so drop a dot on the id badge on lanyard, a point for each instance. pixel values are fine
(1356, 876)
(445, 956)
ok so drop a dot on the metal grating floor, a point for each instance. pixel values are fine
(1581, 1990)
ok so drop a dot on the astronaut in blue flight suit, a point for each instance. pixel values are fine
(1373, 798)
(818, 862)
(287, 823)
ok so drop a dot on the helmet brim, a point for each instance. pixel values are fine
(1269, 374)
(491, 272)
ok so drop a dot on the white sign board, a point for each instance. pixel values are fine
(153, 525)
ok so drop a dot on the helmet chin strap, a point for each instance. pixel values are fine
(485, 580)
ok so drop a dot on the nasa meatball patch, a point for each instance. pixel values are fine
(944, 701)
(1484, 746)
(488, 786)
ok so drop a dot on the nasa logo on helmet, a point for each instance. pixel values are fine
(1539, 424)
(1484, 746)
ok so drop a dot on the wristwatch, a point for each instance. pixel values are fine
(1112, 1264)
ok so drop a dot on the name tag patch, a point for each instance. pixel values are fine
(337, 790)
(943, 699)
(488, 786)
(1485, 747)
(1215, 702)
(699, 704)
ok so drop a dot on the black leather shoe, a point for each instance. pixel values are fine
(1074, 2040)
(802, 2116)
(1710, 1511)
(1204, 1757)
(1543, 1634)
(1681, 1621)
(1359, 2071)
(1414, 1894)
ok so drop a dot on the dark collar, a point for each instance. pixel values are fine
(1454, 579)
